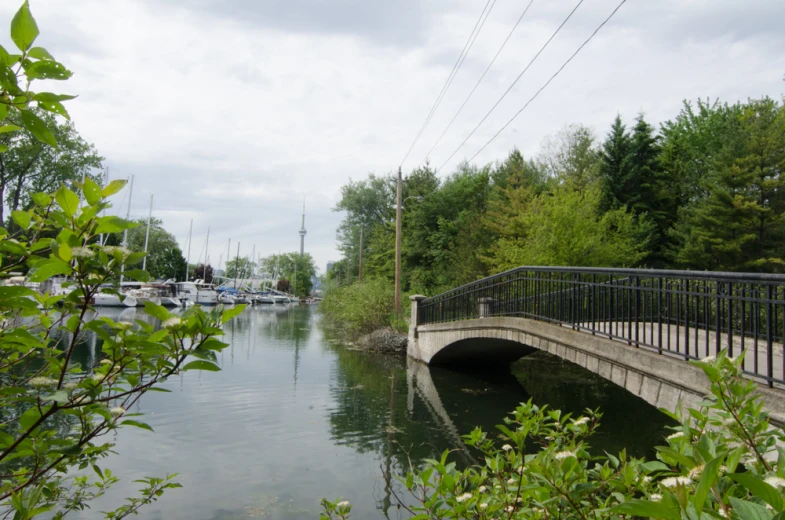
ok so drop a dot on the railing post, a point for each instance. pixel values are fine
(484, 307)
(414, 319)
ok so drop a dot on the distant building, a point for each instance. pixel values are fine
(329, 266)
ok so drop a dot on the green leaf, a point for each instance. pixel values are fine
(67, 200)
(42, 199)
(48, 70)
(55, 107)
(113, 187)
(40, 53)
(29, 418)
(228, 314)
(135, 258)
(112, 224)
(9, 128)
(64, 252)
(201, 365)
(709, 475)
(48, 97)
(156, 311)
(22, 218)
(92, 191)
(647, 509)
(138, 424)
(24, 30)
(50, 268)
(760, 489)
(14, 291)
(60, 397)
(750, 510)
(138, 275)
(38, 128)
(9, 81)
(3, 148)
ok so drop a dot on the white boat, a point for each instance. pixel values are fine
(294, 299)
(112, 300)
(280, 299)
(144, 295)
(264, 299)
(225, 299)
(198, 292)
(241, 298)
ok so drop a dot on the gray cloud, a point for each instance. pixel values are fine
(394, 23)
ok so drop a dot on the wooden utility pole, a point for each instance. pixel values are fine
(360, 274)
(398, 243)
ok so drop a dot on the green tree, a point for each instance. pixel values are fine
(30, 166)
(568, 228)
(241, 267)
(572, 156)
(740, 224)
(615, 166)
(298, 269)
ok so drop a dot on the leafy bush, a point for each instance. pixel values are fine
(363, 307)
(721, 462)
(54, 411)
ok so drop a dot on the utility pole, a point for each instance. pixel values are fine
(360, 274)
(188, 260)
(147, 233)
(398, 243)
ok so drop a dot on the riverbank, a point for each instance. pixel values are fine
(384, 341)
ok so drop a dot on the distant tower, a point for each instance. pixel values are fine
(303, 232)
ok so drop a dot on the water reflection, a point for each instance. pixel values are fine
(295, 415)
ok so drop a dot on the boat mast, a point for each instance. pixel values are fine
(188, 259)
(147, 233)
(206, 260)
(103, 212)
(237, 265)
(125, 231)
(228, 247)
(253, 265)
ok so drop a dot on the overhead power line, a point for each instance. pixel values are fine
(455, 68)
(558, 29)
(478, 82)
(549, 80)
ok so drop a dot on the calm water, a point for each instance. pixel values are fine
(295, 416)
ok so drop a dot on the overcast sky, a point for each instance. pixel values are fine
(233, 111)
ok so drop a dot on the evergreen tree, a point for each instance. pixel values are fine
(615, 166)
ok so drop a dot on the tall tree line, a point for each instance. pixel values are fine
(704, 191)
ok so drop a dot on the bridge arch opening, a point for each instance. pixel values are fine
(484, 351)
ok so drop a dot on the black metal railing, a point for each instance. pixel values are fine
(683, 313)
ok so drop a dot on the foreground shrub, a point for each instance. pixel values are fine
(721, 462)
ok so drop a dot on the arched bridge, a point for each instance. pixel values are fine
(635, 327)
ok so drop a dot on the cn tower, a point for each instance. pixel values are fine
(303, 232)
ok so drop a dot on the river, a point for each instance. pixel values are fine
(295, 415)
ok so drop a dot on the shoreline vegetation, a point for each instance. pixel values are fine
(363, 312)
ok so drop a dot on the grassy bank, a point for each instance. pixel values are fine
(361, 308)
